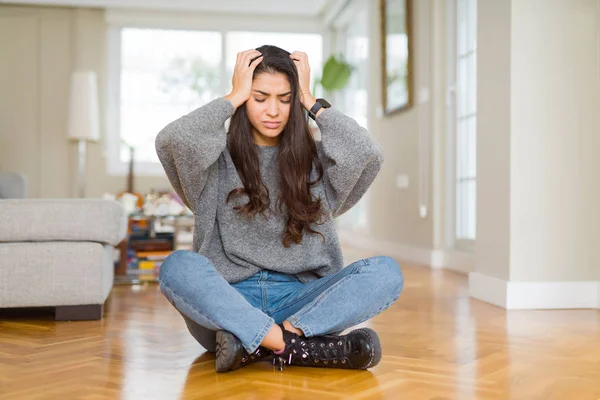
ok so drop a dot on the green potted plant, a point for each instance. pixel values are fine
(335, 74)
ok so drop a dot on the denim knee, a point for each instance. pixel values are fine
(176, 262)
(390, 274)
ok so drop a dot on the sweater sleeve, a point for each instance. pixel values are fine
(188, 146)
(351, 160)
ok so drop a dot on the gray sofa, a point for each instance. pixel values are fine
(58, 253)
(12, 186)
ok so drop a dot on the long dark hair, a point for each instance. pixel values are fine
(297, 155)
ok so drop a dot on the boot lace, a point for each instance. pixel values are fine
(250, 358)
(308, 352)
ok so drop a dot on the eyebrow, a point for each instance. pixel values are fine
(268, 94)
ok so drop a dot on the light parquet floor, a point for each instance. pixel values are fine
(438, 344)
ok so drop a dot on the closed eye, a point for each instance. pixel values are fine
(263, 100)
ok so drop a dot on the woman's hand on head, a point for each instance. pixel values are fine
(245, 65)
(301, 61)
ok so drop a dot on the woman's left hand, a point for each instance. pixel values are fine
(301, 61)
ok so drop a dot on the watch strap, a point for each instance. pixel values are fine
(320, 103)
(315, 109)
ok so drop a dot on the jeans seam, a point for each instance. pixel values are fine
(263, 294)
(319, 300)
(262, 287)
(358, 270)
(290, 304)
(299, 325)
(261, 335)
(307, 332)
(253, 344)
(295, 320)
(331, 289)
(187, 304)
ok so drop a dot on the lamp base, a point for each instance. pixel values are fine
(81, 167)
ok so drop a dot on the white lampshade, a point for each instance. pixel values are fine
(83, 107)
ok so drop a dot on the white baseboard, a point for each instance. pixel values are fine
(508, 295)
(488, 288)
(458, 261)
(454, 260)
(534, 295)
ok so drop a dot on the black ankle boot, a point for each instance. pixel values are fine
(359, 349)
(231, 355)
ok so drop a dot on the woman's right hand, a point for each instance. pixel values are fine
(245, 64)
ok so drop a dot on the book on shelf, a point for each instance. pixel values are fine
(144, 272)
(153, 255)
(151, 245)
(145, 265)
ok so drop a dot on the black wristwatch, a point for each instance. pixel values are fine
(321, 103)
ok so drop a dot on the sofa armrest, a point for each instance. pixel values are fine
(76, 220)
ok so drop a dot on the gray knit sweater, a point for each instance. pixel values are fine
(193, 151)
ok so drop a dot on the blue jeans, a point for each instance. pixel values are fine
(249, 308)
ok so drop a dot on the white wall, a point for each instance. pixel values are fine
(538, 139)
(493, 137)
(394, 213)
(555, 140)
(538, 165)
(36, 51)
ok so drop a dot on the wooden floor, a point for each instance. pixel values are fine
(437, 343)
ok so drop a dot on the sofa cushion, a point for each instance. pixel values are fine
(80, 220)
(55, 273)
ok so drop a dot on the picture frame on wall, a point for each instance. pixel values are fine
(396, 39)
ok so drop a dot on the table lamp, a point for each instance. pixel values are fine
(83, 117)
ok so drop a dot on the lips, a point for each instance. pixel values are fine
(271, 124)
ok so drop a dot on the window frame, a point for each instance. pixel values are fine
(452, 76)
(341, 26)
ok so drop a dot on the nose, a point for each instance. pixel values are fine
(273, 108)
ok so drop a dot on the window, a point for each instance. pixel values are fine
(463, 121)
(164, 74)
(352, 33)
(158, 75)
